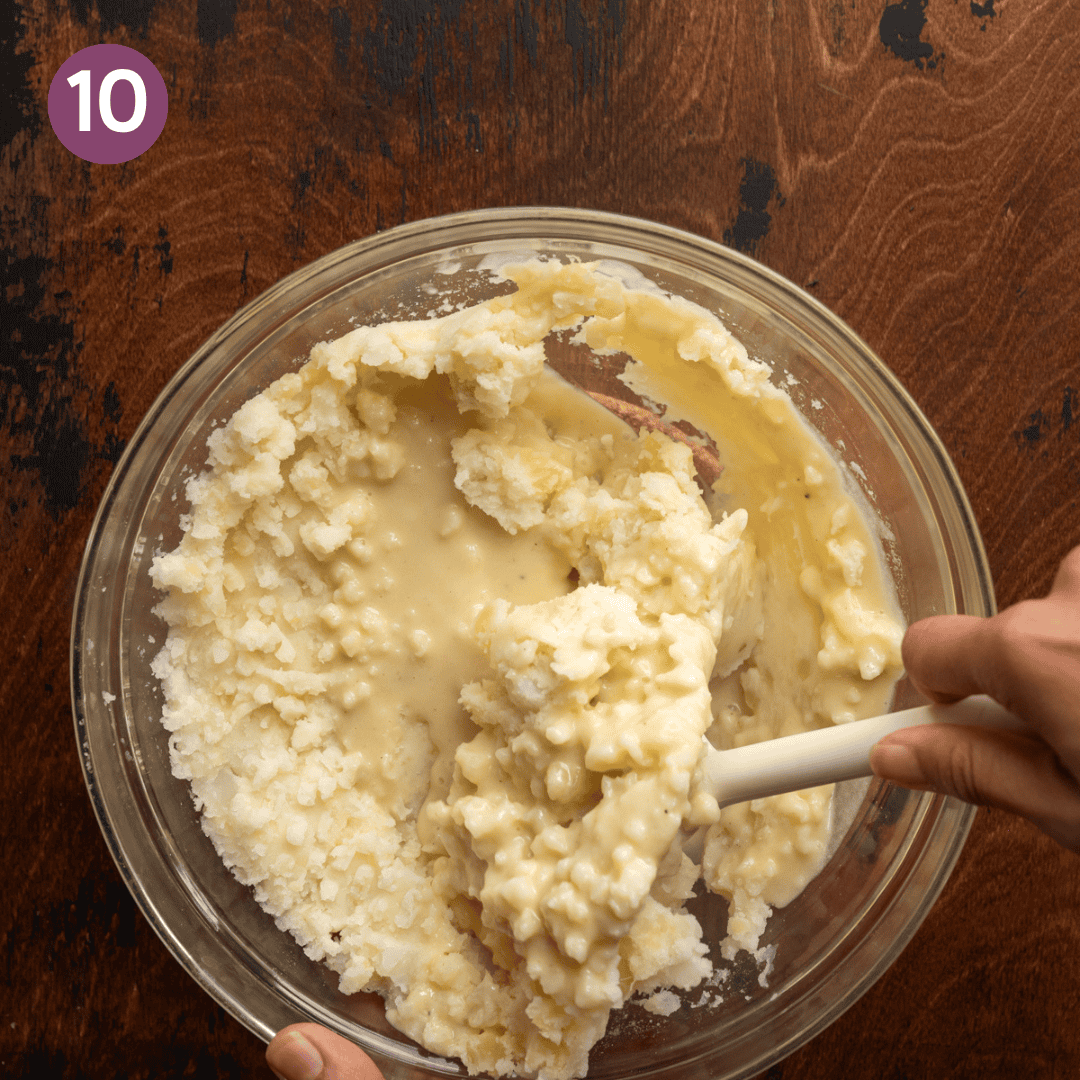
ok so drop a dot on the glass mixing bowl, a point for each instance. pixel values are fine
(898, 847)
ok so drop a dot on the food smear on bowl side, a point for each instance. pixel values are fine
(446, 638)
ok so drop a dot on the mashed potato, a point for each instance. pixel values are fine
(447, 637)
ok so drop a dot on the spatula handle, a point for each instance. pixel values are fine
(831, 754)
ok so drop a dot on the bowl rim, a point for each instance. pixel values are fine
(675, 241)
(500, 224)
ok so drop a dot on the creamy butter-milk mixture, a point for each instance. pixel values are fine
(446, 637)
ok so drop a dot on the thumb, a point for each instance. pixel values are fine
(1003, 769)
(311, 1052)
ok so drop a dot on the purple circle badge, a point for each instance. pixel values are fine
(108, 104)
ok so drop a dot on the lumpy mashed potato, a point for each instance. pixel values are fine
(446, 639)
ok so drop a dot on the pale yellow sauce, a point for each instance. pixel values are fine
(404, 611)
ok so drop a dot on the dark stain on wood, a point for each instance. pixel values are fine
(19, 110)
(756, 191)
(1040, 425)
(214, 20)
(164, 250)
(1033, 431)
(133, 15)
(596, 48)
(901, 29)
(341, 32)
(42, 399)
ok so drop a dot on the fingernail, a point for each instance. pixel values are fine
(292, 1057)
(897, 762)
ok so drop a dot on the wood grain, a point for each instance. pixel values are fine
(913, 164)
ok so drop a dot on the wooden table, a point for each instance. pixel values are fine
(914, 166)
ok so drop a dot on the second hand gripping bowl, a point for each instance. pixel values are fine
(379, 488)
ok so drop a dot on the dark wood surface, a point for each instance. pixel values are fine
(914, 165)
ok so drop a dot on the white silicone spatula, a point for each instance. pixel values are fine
(832, 754)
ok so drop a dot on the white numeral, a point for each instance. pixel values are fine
(81, 79)
(105, 99)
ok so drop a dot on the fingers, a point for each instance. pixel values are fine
(1067, 579)
(311, 1052)
(944, 656)
(1027, 657)
(990, 768)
